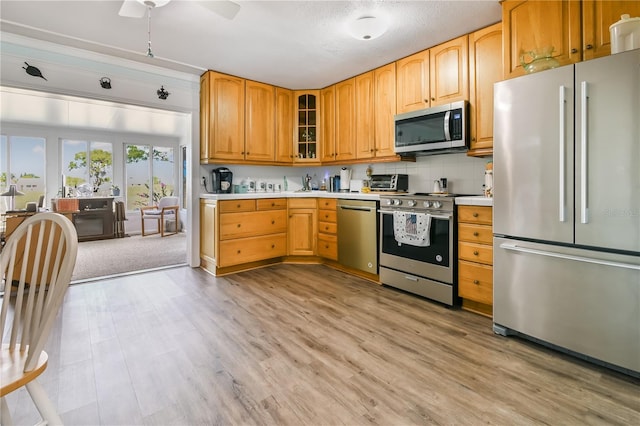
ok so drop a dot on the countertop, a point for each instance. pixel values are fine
(473, 200)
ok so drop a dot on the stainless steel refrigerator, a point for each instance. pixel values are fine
(567, 209)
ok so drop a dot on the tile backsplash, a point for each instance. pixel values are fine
(465, 174)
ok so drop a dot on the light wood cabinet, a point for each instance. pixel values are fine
(485, 69)
(327, 228)
(597, 16)
(328, 123)
(475, 258)
(302, 227)
(412, 82)
(222, 120)
(364, 102)
(307, 138)
(251, 230)
(384, 110)
(449, 71)
(260, 122)
(345, 120)
(208, 232)
(284, 125)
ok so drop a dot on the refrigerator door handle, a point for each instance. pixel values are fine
(515, 247)
(562, 142)
(584, 218)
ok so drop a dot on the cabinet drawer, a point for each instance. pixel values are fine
(475, 214)
(249, 224)
(475, 252)
(482, 234)
(271, 203)
(231, 206)
(328, 246)
(475, 282)
(244, 250)
(328, 227)
(327, 203)
(328, 216)
(302, 203)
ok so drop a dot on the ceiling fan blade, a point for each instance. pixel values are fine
(225, 8)
(132, 9)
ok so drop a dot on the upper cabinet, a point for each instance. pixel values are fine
(412, 82)
(365, 104)
(260, 122)
(284, 125)
(328, 123)
(485, 69)
(384, 110)
(222, 121)
(433, 77)
(577, 30)
(449, 71)
(345, 146)
(306, 135)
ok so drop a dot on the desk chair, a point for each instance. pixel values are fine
(35, 266)
(165, 211)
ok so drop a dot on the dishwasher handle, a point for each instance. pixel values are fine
(359, 208)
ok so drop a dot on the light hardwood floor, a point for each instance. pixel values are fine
(303, 344)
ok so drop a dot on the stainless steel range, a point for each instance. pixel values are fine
(417, 245)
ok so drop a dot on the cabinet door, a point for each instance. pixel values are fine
(365, 115)
(346, 120)
(284, 125)
(597, 16)
(260, 122)
(227, 117)
(485, 68)
(327, 123)
(307, 121)
(207, 229)
(449, 71)
(302, 232)
(385, 108)
(412, 84)
(529, 25)
(205, 120)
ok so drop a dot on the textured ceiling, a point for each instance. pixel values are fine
(293, 44)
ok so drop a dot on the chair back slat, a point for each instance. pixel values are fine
(36, 265)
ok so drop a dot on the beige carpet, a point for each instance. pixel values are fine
(123, 255)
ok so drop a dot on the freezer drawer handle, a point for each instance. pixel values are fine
(515, 247)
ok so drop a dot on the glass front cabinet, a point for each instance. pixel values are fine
(307, 125)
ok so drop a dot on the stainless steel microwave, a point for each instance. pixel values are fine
(435, 130)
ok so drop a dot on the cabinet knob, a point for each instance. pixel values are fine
(273, 204)
(475, 234)
(433, 99)
(273, 246)
(574, 50)
(238, 206)
(273, 222)
(239, 225)
(238, 252)
(475, 214)
(326, 246)
(475, 252)
(589, 46)
(476, 282)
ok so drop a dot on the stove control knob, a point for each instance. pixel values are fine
(427, 203)
(437, 204)
(389, 202)
(411, 203)
(397, 202)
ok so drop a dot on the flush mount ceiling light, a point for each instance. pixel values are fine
(367, 27)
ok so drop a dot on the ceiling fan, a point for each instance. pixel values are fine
(138, 8)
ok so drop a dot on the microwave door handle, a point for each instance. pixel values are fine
(447, 133)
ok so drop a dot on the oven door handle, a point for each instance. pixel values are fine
(433, 216)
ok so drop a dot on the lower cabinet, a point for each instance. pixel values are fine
(302, 227)
(251, 230)
(475, 258)
(208, 233)
(327, 229)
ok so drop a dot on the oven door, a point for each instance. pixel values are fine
(434, 261)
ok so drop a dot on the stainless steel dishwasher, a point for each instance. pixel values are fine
(358, 235)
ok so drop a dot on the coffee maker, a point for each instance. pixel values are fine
(221, 181)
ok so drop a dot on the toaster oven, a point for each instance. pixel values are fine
(391, 182)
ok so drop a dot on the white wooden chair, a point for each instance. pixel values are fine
(35, 266)
(165, 211)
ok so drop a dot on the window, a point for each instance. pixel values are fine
(95, 175)
(149, 175)
(21, 164)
